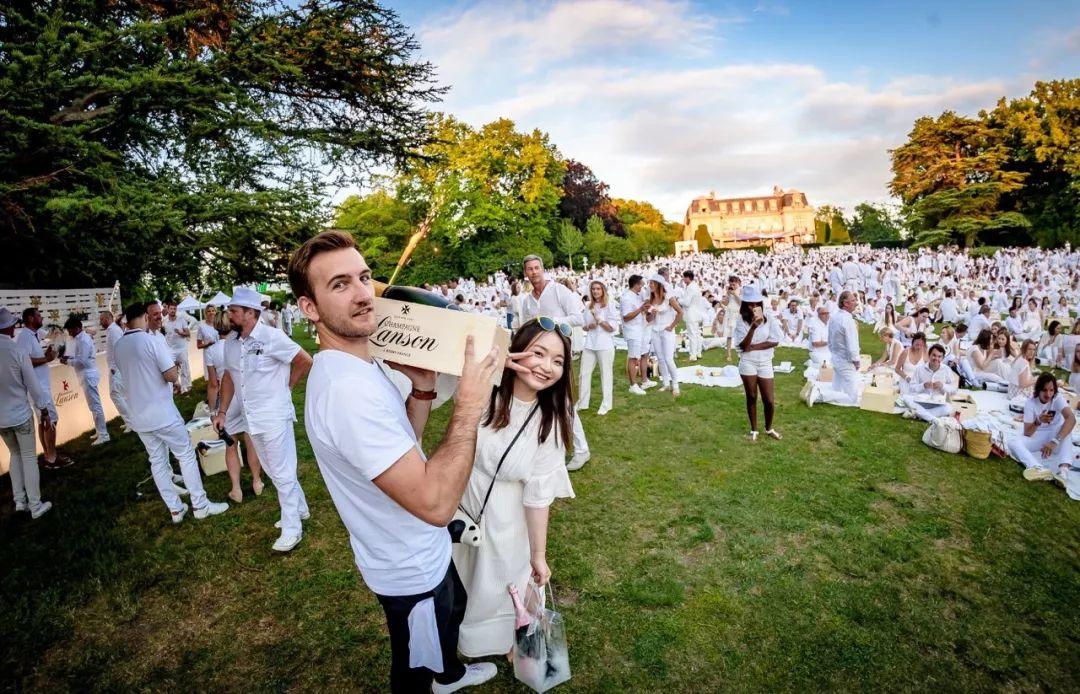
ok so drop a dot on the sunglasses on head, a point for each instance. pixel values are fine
(549, 324)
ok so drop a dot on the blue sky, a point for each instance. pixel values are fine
(668, 99)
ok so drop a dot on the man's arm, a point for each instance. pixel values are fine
(852, 339)
(172, 374)
(225, 395)
(301, 364)
(431, 491)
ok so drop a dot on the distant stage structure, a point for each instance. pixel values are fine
(785, 217)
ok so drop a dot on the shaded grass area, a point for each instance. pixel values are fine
(847, 556)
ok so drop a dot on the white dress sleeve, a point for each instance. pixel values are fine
(549, 479)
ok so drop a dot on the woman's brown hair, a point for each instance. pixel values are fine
(554, 401)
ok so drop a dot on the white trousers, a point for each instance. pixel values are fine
(589, 357)
(581, 446)
(1026, 449)
(818, 356)
(181, 359)
(25, 476)
(93, 402)
(116, 394)
(664, 344)
(693, 334)
(158, 444)
(844, 389)
(277, 453)
(927, 414)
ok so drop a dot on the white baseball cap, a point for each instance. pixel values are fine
(7, 318)
(247, 298)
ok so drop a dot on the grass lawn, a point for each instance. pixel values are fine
(848, 556)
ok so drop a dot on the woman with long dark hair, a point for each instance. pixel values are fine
(521, 458)
(756, 336)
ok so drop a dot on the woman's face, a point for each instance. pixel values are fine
(545, 361)
(1029, 353)
(918, 345)
(1001, 339)
(597, 291)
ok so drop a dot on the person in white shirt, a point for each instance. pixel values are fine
(83, 358)
(791, 318)
(601, 319)
(633, 309)
(691, 303)
(206, 335)
(394, 501)
(950, 312)
(28, 340)
(733, 300)
(148, 370)
(1021, 378)
(177, 331)
(555, 301)
(844, 357)
(981, 320)
(664, 315)
(756, 337)
(819, 336)
(18, 388)
(261, 367)
(113, 332)
(931, 378)
(1043, 446)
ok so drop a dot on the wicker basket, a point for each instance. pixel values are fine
(977, 444)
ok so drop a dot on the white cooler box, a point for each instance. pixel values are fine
(208, 448)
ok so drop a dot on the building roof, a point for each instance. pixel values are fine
(783, 198)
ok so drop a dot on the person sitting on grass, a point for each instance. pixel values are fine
(1074, 370)
(987, 360)
(890, 357)
(932, 378)
(1043, 447)
(910, 360)
(1021, 378)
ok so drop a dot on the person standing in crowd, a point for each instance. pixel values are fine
(394, 502)
(633, 308)
(114, 332)
(148, 369)
(521, 459)
(691, 302)
(844, 355)
(664, 315)
(262, 366)
(553, 300)
(1043, 446)
(177, 331)
(29, 341)
(731, 313)
(235, 425)
(18, 388)
(205, 335)
(83, 358)
(756, 337)
(287, 319)
(601, 318)
(931, 377)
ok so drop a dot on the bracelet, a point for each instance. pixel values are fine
(423, 394)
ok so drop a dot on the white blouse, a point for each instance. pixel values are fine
(599, 339)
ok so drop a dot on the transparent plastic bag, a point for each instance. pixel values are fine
(541, 656)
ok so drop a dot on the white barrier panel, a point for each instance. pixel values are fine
(75, 417)
(57, 304)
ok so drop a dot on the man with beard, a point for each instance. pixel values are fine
(393, 500)
(114, 332)
(29, 342)
(261, 367)
(177, 332)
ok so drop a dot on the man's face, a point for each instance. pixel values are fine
(73, 331)
(241, 316)
(935, 360)
(1048, 392)
(344, 301)
(171, 308)
(534, 272)
(105, 319)
(153, 317)
(33, 321)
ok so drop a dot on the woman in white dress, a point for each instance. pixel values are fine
(1021, 378)
(987, 360)
(910, 360)
(533, 399)
(756, 337)
(1074, 371)
(664, 315)
(601, 319)
(893, 349)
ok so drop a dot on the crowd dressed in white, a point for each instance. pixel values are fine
(942, 316)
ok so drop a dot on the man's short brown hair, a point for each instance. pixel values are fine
(300, 262)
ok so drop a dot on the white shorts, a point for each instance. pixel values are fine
(635, 347)
(752, 364)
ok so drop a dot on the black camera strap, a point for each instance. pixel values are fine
(498, 467)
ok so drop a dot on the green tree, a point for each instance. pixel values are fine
(632, 212)
(704, 240)
(493, 193)
(569, 240)
(874, 223)
(381, 224)
(649, 240)
(191, 142)
(951, 177)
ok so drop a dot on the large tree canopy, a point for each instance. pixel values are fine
(145, 140)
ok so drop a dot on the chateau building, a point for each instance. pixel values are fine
(783, 217)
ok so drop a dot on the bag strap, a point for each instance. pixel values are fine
(498, 467)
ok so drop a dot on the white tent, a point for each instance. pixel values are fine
(219, 299)
(189, 303)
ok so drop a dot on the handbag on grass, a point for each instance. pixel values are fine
(469, 530)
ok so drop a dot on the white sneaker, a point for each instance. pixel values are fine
(303, 517)
(21, 508)
(648, 384)
(1038, 474)
(212, 508)
(41, 510)
(637, 390)
(578, 461)
(100, 441)
(178, 516)
(604, 410)
(286, 543)
(475, 673)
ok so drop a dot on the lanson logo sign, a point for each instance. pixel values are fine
(66, 395)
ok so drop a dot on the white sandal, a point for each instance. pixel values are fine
(774, 433)
(753, 436)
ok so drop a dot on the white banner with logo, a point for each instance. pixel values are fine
(56, 305)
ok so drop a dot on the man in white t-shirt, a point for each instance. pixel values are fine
(29, 341)
(262, 366)
(633, 309)
(82, 356)
(148, 370)
(1045, 443)
(394, 502)
(177, 332)
(114, 332)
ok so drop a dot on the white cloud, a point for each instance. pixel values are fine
(643, 94)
